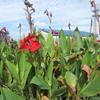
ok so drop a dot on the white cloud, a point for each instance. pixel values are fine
(12, 11)
(40, 24)
(77, 12)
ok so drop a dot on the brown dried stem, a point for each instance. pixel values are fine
(49, 16)
(29, 10)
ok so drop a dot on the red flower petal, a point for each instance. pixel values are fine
(3, 29)
(29, 38)
(54, 32)
(35, 46)
(24, 45)
(29, 43)
(98, 40)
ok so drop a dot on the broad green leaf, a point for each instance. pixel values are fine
(38, 80)
(21, 64)
(78, 40)
(86, 44)
(43, 50)
(63, 61)
(1, 97)
(7, 77)
(78, 68)
(26, 73)
(43, 65)
(24, 69)
(9, 95)
(87, 59)
(54, 85)
(3, 57)
(92, 36)
(90, 39)
(92, 88)
(98, 57)
(2, 44)
(68, 45)
(1, 69)
(94, 50)
(94, 98)
(70, 78)
(50, 40)
(81, 82)
(49, 75)
(50, 45)
(13, 69)
(42, 40)
(59, 92)
(63, 41)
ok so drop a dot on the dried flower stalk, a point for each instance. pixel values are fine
(29, 10)
(49, 16)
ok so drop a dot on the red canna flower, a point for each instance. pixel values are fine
(35, 45)
(3, 29)
(28, 38)
(29, 43)
(54, 32)
(98, 40)
(23, 45)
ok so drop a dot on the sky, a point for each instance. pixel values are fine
(76, 12)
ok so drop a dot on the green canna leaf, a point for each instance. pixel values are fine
(49, 75)
(13, 69)
(63, 41)
(59, 92)
(38, 80)
(24, 69)
(78, 40)
(98, 57)
(68, 45)
(21, 64)
(54, 85)
(50, 45)
(87, 59)
(1, 69)
(94, 98)
(92, 88)
(9, 95)
(70, 78)
(1, 97)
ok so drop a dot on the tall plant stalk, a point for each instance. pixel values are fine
(29, 10)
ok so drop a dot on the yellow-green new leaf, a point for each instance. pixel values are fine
(71, 79)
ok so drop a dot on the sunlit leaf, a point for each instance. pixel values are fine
(70, 78)
(71, 81)
(98, 57)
